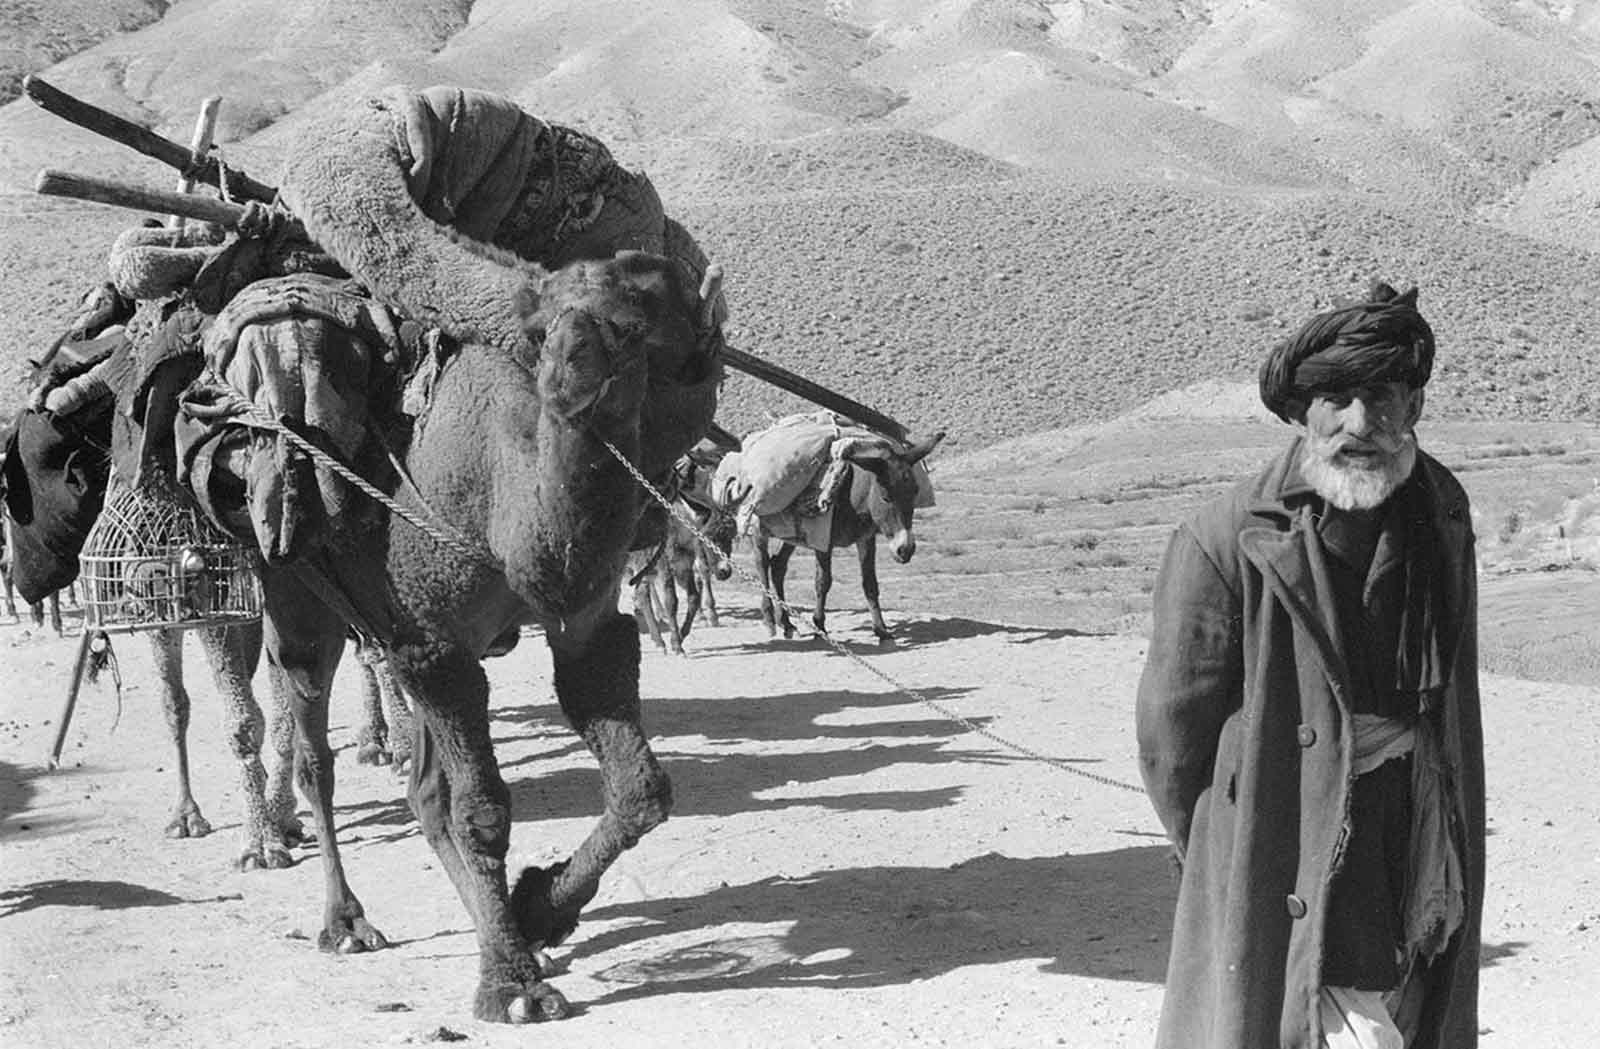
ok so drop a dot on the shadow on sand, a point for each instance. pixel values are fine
(1104, 915)
(102, 895)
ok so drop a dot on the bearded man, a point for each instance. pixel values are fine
(1308, 719)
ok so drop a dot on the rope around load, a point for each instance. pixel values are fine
(439, 533)
(840, 648)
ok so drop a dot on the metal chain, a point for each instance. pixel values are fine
(442, 534)
(840, 648)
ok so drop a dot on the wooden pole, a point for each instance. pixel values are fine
(784, 379)
(138, 198)
(141, 139)
(64, 719)
(205, 126)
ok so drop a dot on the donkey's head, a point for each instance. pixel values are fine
(887, 487)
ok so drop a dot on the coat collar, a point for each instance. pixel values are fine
(1279, 538)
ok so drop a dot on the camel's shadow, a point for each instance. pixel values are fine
(1105, 915)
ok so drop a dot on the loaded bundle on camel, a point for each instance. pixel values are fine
(541, 396)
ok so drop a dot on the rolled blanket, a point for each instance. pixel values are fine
(437, 199)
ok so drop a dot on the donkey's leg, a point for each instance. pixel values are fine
(702, 573)
(10, 593)
(822, 583)
(396, 714)
(780, 569)
(464, 809)
(644, 607)
(54, 601)
(166, 650)
(666, 593)
(689, 579)
(304, 640)
(372, 738)
(764, 574)
(234, 653)
(867, 552)
(597, 684)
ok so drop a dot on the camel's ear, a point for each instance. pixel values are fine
(526, 304)
(917, 452)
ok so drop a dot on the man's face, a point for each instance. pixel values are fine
(1361, 443)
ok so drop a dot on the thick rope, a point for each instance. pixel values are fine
(442, 534)
(840, 648)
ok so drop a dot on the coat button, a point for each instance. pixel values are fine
(1297, 906)
(1306, 735)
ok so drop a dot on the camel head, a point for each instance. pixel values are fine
(886, 487)
(618, 340)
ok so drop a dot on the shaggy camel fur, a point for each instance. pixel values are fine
(880, 499)
(511, 456)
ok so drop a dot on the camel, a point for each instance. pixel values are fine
(517, 455)
(879, 499)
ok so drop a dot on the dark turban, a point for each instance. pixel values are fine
(1383, 339)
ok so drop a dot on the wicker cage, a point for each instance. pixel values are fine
(153, 561)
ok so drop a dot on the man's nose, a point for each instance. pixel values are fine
(1358, 418)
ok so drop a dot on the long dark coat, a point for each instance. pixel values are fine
(1244, 746)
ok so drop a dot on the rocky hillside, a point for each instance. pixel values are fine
(989, 216)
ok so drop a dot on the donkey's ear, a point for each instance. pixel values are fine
(920, 449)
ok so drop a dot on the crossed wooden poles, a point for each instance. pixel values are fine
(195, 163)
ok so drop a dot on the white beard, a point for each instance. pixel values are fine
(1349, 484)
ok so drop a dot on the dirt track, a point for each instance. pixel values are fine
(846, 865)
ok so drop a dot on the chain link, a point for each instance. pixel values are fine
(839, 647)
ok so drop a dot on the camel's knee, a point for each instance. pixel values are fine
(247, 735)
(644, 804)
(482, 824)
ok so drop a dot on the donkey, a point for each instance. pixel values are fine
(878, 496)
(681, 562)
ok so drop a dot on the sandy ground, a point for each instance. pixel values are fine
(846, 863)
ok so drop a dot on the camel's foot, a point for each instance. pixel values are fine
(350, 933)
(507, 997)
(187, 822)
(537, 917)
(264, 855)
(293, 832)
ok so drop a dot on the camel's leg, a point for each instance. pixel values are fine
(597, 684)
(867, 552)
(166, 649)
(464, 809)
(234, 653)
(780, 570)
(304, 641)
(822, 583)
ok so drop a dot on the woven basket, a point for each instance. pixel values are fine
(153, 562)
